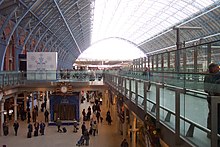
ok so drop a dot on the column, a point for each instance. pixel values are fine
(134, 130)
(15, 107)
(38, 99)
(25, 101)
(177, 53)
(125, 124)
(195, 59)
(32, 102)
(107, 99)
(47, 97)
(2, 116)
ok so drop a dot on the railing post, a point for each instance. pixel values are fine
(130, 94)
(158, 86)
(145, 96)
(136, 92)
(177, 117)
(125, 88)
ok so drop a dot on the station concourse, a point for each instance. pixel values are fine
(155, 100)
(108, 135)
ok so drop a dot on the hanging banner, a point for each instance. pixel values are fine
(41, 65)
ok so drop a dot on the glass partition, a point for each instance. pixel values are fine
(167, 106)
(159, 61)
(181, 60)
(202, 58)
(172, 61)
(193, 106)
(215, 52)
(165, 62)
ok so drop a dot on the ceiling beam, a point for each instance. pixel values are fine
(68, 26)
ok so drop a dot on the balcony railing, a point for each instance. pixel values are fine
(176, 100)
(13, 78)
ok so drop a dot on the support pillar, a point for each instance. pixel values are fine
(2, 116)
(125, 124)
(39, 96)
(32, 103)
(25, 101)
(134, 130)
(38, 99)
(47, 95)
(15, 107)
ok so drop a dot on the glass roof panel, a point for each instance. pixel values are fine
(139, 20)
(112, 49)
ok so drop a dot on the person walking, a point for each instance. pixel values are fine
(88, 116)
(211, 86)
(16, 126)
(5, 128)
(94, 128)
(36, 128)
(83, 127)
(84, 114)
(86, 137)
(29, 116)
(98, 115)
(42, 127)
(75, 126)
(34, 115)
(59, 123)
(108, 118)
(46, 115)
(30, 130)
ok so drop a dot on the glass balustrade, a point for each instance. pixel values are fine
(182, 93)
(16, 77)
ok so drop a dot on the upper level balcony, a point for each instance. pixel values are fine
(176, 100)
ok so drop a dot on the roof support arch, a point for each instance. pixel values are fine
(13, 30)
(30, 33)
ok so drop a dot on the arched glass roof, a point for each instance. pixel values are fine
(70, 26)
(139, 20)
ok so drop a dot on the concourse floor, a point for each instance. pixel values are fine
(108, 135)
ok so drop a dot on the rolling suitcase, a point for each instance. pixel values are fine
(64, 130)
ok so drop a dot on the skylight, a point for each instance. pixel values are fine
(139, 20)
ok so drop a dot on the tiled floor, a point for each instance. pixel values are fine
(107, 137)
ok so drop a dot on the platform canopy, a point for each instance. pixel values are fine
(70, 26)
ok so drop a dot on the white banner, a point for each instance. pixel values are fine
(41, 65)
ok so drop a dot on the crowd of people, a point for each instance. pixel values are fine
(91, 120)
(27, 115)
(94, 117)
